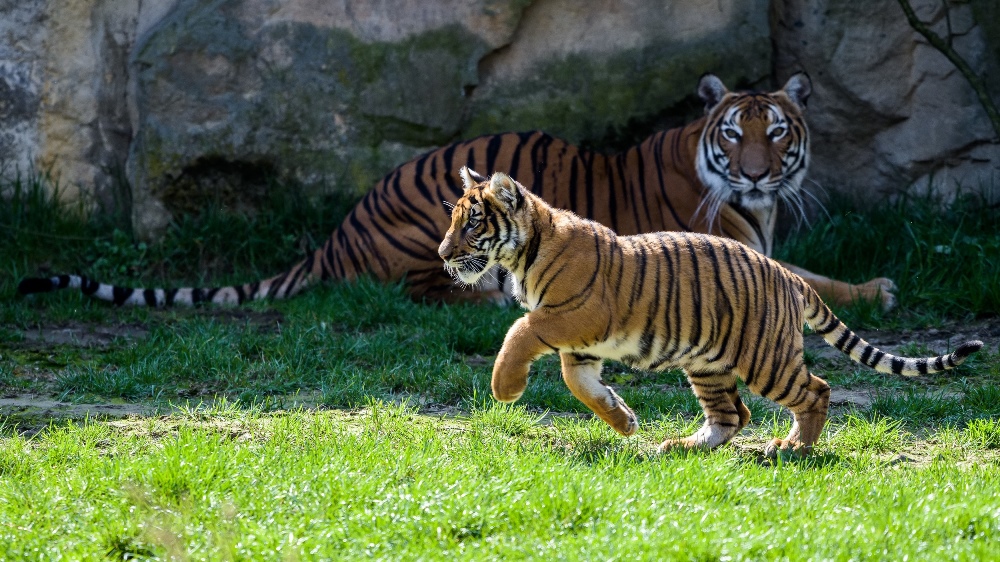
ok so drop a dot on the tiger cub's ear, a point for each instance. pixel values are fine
(505, 189)
(470, 177)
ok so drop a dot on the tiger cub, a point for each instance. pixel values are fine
(708, 305)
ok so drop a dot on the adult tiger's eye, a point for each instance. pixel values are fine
(778, 133)
(731, 134)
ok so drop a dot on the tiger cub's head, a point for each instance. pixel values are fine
(754, 149)
(485, 226)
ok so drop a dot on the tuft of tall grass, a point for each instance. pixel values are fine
(943, 256)
(217, 246)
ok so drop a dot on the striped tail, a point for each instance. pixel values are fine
(823, 321)
(292, 281)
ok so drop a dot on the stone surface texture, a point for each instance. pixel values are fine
(889, 110)
(64, 82)
(161, 107)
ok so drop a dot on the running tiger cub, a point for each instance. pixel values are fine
(709, 305)
(722, 174)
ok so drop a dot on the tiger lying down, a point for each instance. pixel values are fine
(709, 305)
(724, 173)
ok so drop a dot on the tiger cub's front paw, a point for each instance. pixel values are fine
(786, 449)
(507, 395)
(618, 415)
(622, 420)
(508, 389)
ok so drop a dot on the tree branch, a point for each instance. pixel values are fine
(946, 49)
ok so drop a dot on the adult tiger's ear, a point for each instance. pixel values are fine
(470, 177)
(798, 88)
(711, 90)
(505, 189)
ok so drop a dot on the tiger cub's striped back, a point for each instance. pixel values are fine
(706, 304)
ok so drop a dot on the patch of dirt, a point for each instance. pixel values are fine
(31, 412)
(82, 334)
(266, 320)
(860, 399)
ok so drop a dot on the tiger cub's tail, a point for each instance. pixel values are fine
(825, 323)
(292, 281)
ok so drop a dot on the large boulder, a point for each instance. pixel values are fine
(888, 109)
(235, 93)
(333, 95)
(193, 101)
(64, 89)
(608, 73)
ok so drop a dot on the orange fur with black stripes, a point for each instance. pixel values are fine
(722, 174)
(705, 304)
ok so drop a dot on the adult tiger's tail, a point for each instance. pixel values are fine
(293, 280)
(825, 323)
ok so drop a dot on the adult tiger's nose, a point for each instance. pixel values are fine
(754, 175)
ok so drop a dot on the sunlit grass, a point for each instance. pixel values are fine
(389, 483)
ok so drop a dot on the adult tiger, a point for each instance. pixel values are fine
(661, 300)
(722, 174)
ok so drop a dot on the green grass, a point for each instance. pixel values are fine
(386, 483)
(351, 422)
(943, 256)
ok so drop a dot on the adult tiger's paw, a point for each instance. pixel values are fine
(879, 290)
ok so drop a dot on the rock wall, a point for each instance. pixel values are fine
(64, 82)
(333, 95)
(889, 110)
(197, 100)
(20, 80)
(327, 94)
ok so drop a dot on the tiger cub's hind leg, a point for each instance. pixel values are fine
(809, 401)
(725, 413)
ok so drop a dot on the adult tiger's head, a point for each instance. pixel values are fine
(484, 226)
(754, 148)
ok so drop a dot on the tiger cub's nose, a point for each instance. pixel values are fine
(445, 249)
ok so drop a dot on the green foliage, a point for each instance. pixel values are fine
(919, 407)
(984, 433)
(118, 257)
(215, 245)
(944, 257)
(879, 434)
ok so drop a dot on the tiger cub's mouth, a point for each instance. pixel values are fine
(467, 269)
